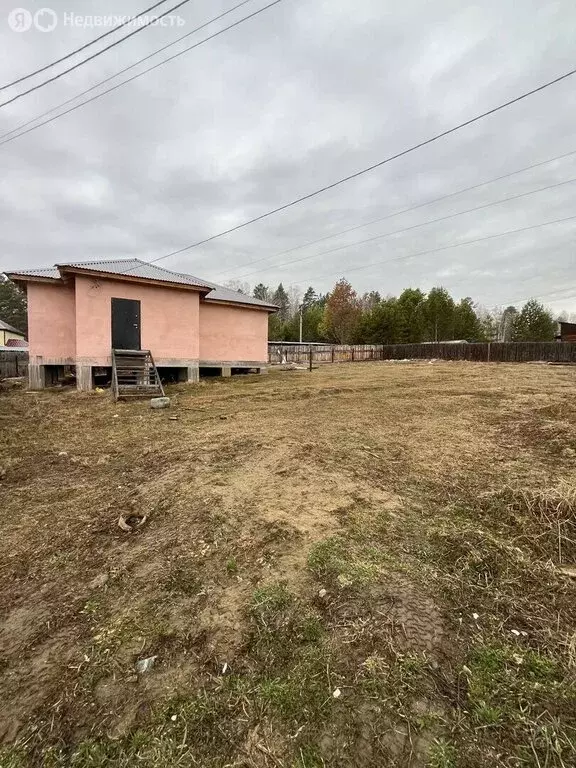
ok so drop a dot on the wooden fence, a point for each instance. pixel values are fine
(495, 352)
(323, 353)
(13, 363)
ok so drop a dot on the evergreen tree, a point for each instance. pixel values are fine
(312, 321)
(275, 328)
(310, 297)
(534, 323)
(280, 298)
(292, 328)
(410, 316)
(380, 325)
(439, 315)
(13, 305)
(261, 292)
(466, 322)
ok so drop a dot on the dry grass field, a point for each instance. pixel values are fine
(366, 565)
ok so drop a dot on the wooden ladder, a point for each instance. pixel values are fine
(134, 374)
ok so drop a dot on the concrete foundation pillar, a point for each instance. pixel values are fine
(226, 372)
(192, 374)
(36, 376)
(262, 371)
(84, 379)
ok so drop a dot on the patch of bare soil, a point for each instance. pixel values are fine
(290, 579)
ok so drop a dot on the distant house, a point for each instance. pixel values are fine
(16, 344)
(9, 333)
(80, 314)
(567, 332)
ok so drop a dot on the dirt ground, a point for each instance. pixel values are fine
(365, 565)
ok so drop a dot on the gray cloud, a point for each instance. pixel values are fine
(301, 95)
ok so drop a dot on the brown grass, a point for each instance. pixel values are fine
(393, 532)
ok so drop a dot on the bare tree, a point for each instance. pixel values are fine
(295, 299)
(239, 286)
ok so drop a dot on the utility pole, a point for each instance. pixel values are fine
(300, 309)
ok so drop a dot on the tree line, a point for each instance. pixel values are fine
(343, 316)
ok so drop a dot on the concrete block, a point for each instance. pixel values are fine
(160, 402)
(226, 372)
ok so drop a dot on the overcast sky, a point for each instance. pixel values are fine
(291, 100)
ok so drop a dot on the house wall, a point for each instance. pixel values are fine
(72, 323)
(233, 334)
(568, 331)
(169, 320)
(51, 322)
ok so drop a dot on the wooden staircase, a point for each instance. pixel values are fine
(134, 374)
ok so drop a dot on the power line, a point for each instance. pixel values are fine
(403, 210)
(490, 263)
(93, 56)
(408, 229)
(444, 247)
(120, 72)
(145, 71)
(545, 295)
(538, 296)
(82, 48)
(386, 160)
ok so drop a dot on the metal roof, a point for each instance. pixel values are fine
(136, 268)
(219, 293)
(50, 272)
(5, 327)
(147, 271)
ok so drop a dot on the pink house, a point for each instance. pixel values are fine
(78, 313)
